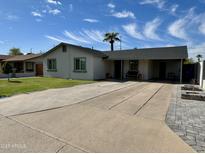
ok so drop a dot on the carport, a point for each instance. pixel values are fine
(166, 70)
(151, 63)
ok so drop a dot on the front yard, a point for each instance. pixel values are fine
(24, 85)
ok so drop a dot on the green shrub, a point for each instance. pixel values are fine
(6, 68)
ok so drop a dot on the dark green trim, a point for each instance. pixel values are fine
(54, 64)
(80, 71)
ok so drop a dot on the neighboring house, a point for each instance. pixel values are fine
(25, 65)
(3, 57)
(75, 62)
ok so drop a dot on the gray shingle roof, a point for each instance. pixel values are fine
(178, 52)
(89, 50)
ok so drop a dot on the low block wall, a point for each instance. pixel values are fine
(18, 75)
(3, 75)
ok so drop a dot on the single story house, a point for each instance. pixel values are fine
(76, 62)
(25, 65)
(3, 57)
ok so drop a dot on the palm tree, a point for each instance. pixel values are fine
(111, 38)
(199, 57)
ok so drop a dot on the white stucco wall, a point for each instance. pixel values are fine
(62, 61)
(109, 67)
(144, 67)
(100, 68)
(95, 66)
(77, 52)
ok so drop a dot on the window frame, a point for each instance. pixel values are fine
(82, 67)
(32, 66)
(130, 67)
(64, 48)
(53, 66)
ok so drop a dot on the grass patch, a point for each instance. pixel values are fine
(25, 85)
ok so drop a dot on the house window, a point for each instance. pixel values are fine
(80, 64)
(133, 65)
(29, 66)
(64, 48)
(51, 64)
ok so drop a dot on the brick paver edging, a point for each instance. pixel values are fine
(187, 119)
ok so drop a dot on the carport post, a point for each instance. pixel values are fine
(181, 71)
(121, 70)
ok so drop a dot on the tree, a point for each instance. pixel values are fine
(111, 38)
(7, 69)
(189, 61)
(15, 51)
(199, 57)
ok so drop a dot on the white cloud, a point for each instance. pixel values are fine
(54, 11)
(56, 39)
(202, 28)
(75, 37)
(53, 38)
(90, 20)
(159, 3)
(150, 29)
(54, 2)
(111, 5)
(173, 8)
(95, 35)
(132, 30)
(36, 14)
(84, 36)
(162, 5)
(200, 19)
(124, 14)
(179, 27)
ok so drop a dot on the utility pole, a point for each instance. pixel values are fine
(31, 50)
(120, 42)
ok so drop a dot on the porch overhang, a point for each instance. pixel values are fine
(166, 53)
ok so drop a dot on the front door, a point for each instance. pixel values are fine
(39, 69)
(162, 71)
(118, 69)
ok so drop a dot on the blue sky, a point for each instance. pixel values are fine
(38, 25)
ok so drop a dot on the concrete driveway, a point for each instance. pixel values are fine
(99, 117)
